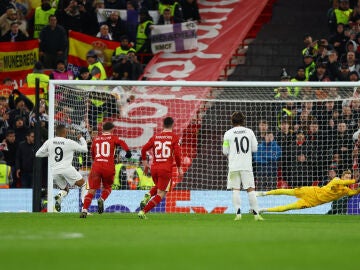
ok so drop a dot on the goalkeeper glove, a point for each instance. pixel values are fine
(128, 154)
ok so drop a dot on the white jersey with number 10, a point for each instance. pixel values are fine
(239, 144)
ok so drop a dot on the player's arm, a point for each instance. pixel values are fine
(338, 181)
(352, 192)
(43, 150)
(124, 146)
(177, 152)
(92, 151)
(226, 145)
(177, 156)
(81, 146)
(254, 142)
(144, 149)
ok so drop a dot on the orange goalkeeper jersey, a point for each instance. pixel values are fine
(334, 190)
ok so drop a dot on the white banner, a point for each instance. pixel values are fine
(104, 13)
(174, 37)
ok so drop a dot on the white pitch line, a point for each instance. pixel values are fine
(59, 235)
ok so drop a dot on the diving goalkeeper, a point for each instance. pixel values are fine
(313, 195)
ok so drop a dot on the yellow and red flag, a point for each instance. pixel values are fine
(17, 59)
(80, 44)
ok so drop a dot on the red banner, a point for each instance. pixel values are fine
(80, 44)
(225, 25)
(17, 59)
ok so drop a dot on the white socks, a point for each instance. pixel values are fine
(62, 194)
(236, 199)
(83, 192)
(253, 201)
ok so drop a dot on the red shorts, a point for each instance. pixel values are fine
(101, 175)
(162, 177)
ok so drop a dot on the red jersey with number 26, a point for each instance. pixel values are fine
(165, 148)
(103, 149)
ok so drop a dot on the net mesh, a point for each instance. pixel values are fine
(307, 135)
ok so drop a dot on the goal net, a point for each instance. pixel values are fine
(307, 135)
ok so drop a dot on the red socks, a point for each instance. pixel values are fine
(152, 203)
(88, 197)
(87, 200)
(153, 191)
(105, 193)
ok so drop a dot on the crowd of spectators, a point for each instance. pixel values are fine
(17, 136)
(314, 131)
(50, 21)
(306, 140)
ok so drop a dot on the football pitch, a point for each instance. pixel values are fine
(177, 241)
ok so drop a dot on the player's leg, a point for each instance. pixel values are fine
(163, 178)
(145, 200)
(254, 203)
(59, 197)
(107, 181)
(94, 184)
(236, 200)
(280, 191)
(87, 202)
(82, 185)
(74, 178)
(152, 203)
(233, 183)
(248, 183)
(63, 191)
(84, 172)
(152, 192)
(300, 204)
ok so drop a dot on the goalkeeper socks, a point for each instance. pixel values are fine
(105, 193)
(152, 203)
(236, 199)
(87, 200)
(253, 202)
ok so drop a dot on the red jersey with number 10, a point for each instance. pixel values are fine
(103, 149)
(165, 147)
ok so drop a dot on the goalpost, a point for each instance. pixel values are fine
(304, 139)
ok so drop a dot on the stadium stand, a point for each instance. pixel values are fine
(279, 42)
(273, 40)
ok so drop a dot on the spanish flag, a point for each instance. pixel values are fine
(17, 59)
(29, 92)
(80, 44)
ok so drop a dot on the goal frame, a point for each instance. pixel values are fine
(218, 84)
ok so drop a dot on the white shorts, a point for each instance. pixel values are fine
(238, 179)
(67, 176)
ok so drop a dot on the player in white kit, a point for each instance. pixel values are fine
(60, 153)
(239, 144)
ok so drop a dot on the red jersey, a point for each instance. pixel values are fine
(103, 149)
(165, 148)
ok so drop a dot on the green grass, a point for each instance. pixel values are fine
(177, 241)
